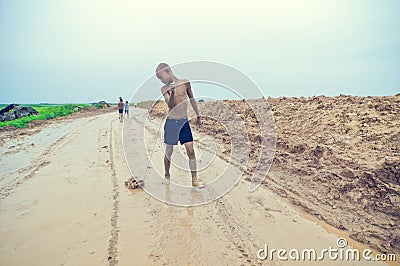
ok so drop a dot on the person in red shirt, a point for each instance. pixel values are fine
(120, 108)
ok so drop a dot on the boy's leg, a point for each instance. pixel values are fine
(192, 158)
(167, 159)
(196, 182)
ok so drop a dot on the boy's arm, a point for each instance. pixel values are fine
(169, 96)
(192, 100)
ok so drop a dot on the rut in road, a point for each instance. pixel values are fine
(43, 160)
(113, 242)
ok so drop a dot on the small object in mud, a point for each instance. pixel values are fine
(133, 183)
(102, 103)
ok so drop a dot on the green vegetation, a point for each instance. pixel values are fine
(46, 111)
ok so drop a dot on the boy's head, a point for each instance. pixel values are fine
(126, 102)
(164, 73)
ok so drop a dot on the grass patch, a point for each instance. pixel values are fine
(46, 112)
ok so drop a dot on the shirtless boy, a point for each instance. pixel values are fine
(176, 128)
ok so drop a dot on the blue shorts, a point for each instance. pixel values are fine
(177, 129)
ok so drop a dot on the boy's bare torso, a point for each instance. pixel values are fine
(180, 98)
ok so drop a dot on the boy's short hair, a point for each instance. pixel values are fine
(161, 67)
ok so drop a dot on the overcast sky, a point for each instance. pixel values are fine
(84, 51)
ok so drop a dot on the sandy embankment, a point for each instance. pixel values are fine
(337, 158)
(63, 202)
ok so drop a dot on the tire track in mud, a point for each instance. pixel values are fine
(175, 236)
(177, 241)
(238, 233)
(232, 227)
(113, 242)
(32, 169)
(41, 161)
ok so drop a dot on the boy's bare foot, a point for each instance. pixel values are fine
(197, 183)
(166, 180)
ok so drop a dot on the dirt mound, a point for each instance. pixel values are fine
(337, 158)
(14, 111)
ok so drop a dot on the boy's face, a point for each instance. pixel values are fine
(164, 76)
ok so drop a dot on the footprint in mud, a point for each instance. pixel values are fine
(23, 214)
(26, 205)
(243, 254)
(270, 218)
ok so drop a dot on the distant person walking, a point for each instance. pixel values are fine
(120, 108)
(126, 108)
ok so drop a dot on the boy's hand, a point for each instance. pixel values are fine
(170, 90)
(198, 121)
(172, 87)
